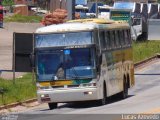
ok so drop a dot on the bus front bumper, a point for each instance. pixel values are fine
(67, 95)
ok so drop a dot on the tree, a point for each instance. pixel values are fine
(7, 2)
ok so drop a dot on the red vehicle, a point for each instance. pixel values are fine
(1, 16)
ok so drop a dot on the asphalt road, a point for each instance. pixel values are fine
(144, 97)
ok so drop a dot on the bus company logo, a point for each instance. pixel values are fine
(140, 117)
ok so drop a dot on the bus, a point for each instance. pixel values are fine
(1, 16)
(83, 60)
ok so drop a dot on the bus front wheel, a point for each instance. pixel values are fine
(52, 105)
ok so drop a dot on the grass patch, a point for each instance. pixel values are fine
(23, 89)
(23, 19)
(145, 49)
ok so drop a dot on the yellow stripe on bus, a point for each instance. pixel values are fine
(57, 83)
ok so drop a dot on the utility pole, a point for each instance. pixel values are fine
(71, 9)
(96, 8)
(60, 4)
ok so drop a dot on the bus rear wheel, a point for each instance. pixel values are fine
(124, 93)
(103, 101)
(52, 105)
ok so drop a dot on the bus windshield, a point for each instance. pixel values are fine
(63, 39)
(65, 64)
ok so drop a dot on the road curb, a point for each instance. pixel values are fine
(143, 62)
(17, 103)
(136, 65)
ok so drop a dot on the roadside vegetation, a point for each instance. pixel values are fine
(145, 49)
(23, 19)
(24, 88)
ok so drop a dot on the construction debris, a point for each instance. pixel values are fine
(57, 17)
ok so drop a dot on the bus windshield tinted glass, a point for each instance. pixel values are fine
(65, 64)
(63, 39)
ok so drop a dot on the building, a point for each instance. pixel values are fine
(23, 7)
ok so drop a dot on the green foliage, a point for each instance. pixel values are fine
(144, 50)
(22, 90)
(7, 2)
(23, 19)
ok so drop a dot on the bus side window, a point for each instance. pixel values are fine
(112, 39)
(126, 39)
(108, 41)
(102, 40)
(129, 37)
(121, 38)
(117, 39)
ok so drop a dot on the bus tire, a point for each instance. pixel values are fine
(52, 105)
(124, 93)
(103, 101)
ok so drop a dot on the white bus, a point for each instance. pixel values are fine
(83, 60)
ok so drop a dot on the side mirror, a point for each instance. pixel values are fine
(99, 62)
(32, 60)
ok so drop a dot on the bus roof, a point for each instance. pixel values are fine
(66, 27)
(82, 25)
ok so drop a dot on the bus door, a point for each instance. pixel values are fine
(23, 51)
(1, 16)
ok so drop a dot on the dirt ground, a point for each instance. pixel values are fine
(6, 41)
